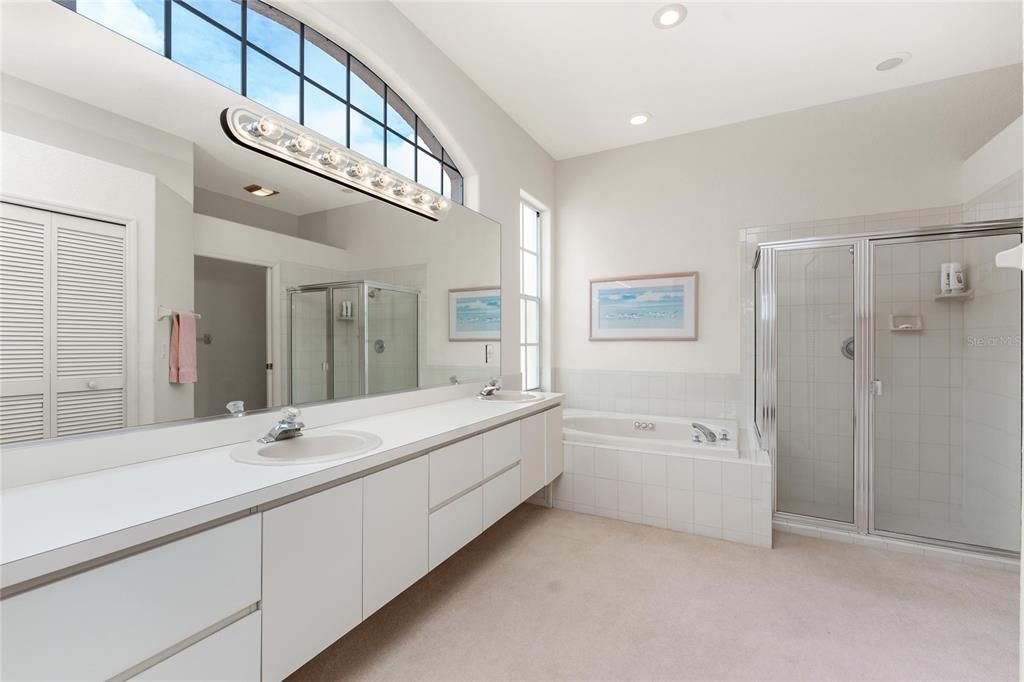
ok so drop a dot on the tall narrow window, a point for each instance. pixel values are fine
(529, 295)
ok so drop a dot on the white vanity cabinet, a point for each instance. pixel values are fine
(455, 468)
(554, 461)
(231, 654)
(312, 576)
(108, 621)
(395, 508)
(532, 437)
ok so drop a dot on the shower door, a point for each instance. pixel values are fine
(947, 436)
(889, 406)
(347, 345)
(392, 362)
(309, 366)
(814, 401)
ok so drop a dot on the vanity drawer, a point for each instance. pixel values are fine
(455, 468)
(501, 448)
(501, 495)
(102, 622)
(454, 525)
(232, 653)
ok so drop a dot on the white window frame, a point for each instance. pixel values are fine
(525, 208)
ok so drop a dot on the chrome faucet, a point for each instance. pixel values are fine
(492, 387)
(709, 435)
(288, 427)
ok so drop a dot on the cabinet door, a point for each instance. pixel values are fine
(107, 620)
(501, 495)
(232, 653)
(312, 576)
(454, 525)
(501, 448)
(455, 468)
(394, 532)
(554, 462)
(532, 455)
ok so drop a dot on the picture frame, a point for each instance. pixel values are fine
(474, 314)
(662, 307)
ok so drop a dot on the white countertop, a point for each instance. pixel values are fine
(57, 524)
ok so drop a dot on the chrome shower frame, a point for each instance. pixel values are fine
(766, 355)
(364, 286)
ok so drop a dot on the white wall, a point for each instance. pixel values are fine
(676, 204)
(497, 157)
(241, 211)
(997, 160)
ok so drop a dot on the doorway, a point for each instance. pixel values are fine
(232, 350)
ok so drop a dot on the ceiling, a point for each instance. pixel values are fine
(572, 73)
(150, 89)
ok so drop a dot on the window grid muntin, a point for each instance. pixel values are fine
(524, 298)
(443, 159)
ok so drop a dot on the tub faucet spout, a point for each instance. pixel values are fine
(709, 435)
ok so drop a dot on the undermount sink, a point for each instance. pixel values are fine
(511, 397)
(308, 449)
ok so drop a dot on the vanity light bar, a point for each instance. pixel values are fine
(300, 147)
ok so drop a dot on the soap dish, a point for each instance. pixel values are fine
(905, 323)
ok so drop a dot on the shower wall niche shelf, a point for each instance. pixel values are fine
(956, 296)
(905, 323)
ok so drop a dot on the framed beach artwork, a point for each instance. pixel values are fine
(474, 314)
(644, 308)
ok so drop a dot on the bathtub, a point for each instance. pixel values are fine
(668, 435)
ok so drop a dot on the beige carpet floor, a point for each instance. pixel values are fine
(551, 594)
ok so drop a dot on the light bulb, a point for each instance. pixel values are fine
(303, 144)
(420, 198)
(381, 181)
(439, 204)
(265, 127)
(356, 170)
(331, 158)
(401, 189)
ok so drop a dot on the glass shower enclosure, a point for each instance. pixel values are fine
(351, 338)
(890, 403)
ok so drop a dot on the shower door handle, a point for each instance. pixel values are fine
(876, 387)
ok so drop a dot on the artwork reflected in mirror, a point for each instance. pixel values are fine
(153, 270)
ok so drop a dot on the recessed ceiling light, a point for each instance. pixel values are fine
(890, 63)
(260, 190)
(669, 16)
(639, 118)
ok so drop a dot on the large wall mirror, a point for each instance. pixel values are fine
(124, 203)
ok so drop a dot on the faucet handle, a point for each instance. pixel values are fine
(291, 413)
(236, 408)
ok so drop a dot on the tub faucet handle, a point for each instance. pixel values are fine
(696, 436)
(723, 434)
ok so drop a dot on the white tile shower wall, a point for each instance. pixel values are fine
(727, 500)
(749, 239)
(947, 442)
(663, 394)
(815, 383)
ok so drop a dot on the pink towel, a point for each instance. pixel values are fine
(183, 349)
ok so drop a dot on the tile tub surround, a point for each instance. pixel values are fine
(730, 500)
(662, 394)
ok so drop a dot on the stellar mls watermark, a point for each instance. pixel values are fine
(994, 340)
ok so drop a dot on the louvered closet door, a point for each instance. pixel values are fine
(88, 353)
(24, 324)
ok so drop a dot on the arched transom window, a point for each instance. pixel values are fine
(276, 60)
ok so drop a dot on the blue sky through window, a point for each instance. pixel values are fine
(210, 51)
(205, 49)
(140, 20)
